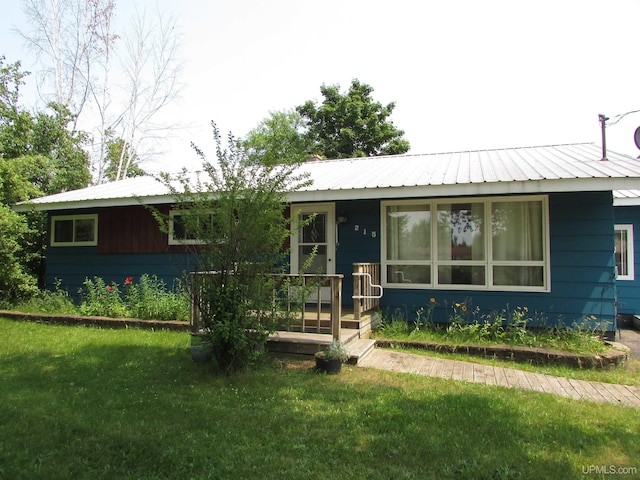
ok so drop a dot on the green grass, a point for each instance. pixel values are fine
(89, 403)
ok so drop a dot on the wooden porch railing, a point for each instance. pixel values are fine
(303, 290)
(310, 287)
(367, 290)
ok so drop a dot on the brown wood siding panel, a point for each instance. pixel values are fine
(131, 230)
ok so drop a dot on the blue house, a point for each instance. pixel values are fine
(528, 227)
(627, 221)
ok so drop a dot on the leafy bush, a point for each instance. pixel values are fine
(148, 300)
(46, 301)
(238, 213)
(102, 300)
(15, 281)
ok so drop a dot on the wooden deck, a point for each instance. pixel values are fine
(316, 336)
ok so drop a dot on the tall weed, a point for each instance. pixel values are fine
(467, 325)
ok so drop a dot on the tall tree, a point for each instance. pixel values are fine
(352, 124)
(151, 68)
(39, 155)
(77, 45)
(100, 87)
(116, 151)
(64, 33)
(279, 138)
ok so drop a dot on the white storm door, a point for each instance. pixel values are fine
(317, 235)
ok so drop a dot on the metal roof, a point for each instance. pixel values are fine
(626, 197)
(552, 168)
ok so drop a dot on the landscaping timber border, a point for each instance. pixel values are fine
(537, 356)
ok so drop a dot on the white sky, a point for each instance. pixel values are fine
(465, 74)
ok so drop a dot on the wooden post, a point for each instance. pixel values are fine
(319, 304)
(336, 305)
(194, 300)
(357, 292)
(303, 310)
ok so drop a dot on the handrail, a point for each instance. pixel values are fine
(363, 297)
(371, 285)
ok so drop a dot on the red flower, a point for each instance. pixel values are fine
(128, 280)
(110, 288)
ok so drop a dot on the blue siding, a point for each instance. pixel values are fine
(72, 265)
(359, 239)
(582, 265)
(629, 290)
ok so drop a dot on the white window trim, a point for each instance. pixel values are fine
(91, 243)
(488, 262)
(179, 241)
(628, 228)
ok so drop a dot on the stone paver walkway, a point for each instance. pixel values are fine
(506, 377)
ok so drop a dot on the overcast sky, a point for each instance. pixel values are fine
(464, 74)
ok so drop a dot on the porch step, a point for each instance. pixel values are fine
(359, 348)
(306, 343)
(367, 322)
(354, 335)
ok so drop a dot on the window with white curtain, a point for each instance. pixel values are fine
(499, 243)
(624, 252)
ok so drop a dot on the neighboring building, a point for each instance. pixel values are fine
(524, 227)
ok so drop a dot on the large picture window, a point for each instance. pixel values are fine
(496, 243)
(624, 252)
(74, 230)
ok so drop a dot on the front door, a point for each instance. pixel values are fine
(318, 235)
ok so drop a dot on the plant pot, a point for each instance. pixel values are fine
(328, 365)
(201, 353)
(636, 322)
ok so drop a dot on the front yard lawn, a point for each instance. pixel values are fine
(94, 403)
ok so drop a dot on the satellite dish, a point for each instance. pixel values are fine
(636, 137)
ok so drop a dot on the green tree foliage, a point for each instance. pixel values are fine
(38, 156)
(117, 154)
(15, 281)
(237, 212)
(352, 124)
(38, 148)
(279, 138)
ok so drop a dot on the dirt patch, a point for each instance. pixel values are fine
(537, 356)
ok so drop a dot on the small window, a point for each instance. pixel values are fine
(184, 229)
(624, 252)
(74, 230)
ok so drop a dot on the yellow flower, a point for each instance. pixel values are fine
(432, 300)
(464, 308)
(458, 305)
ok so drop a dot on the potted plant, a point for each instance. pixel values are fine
(330, 360)
(201, 350)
